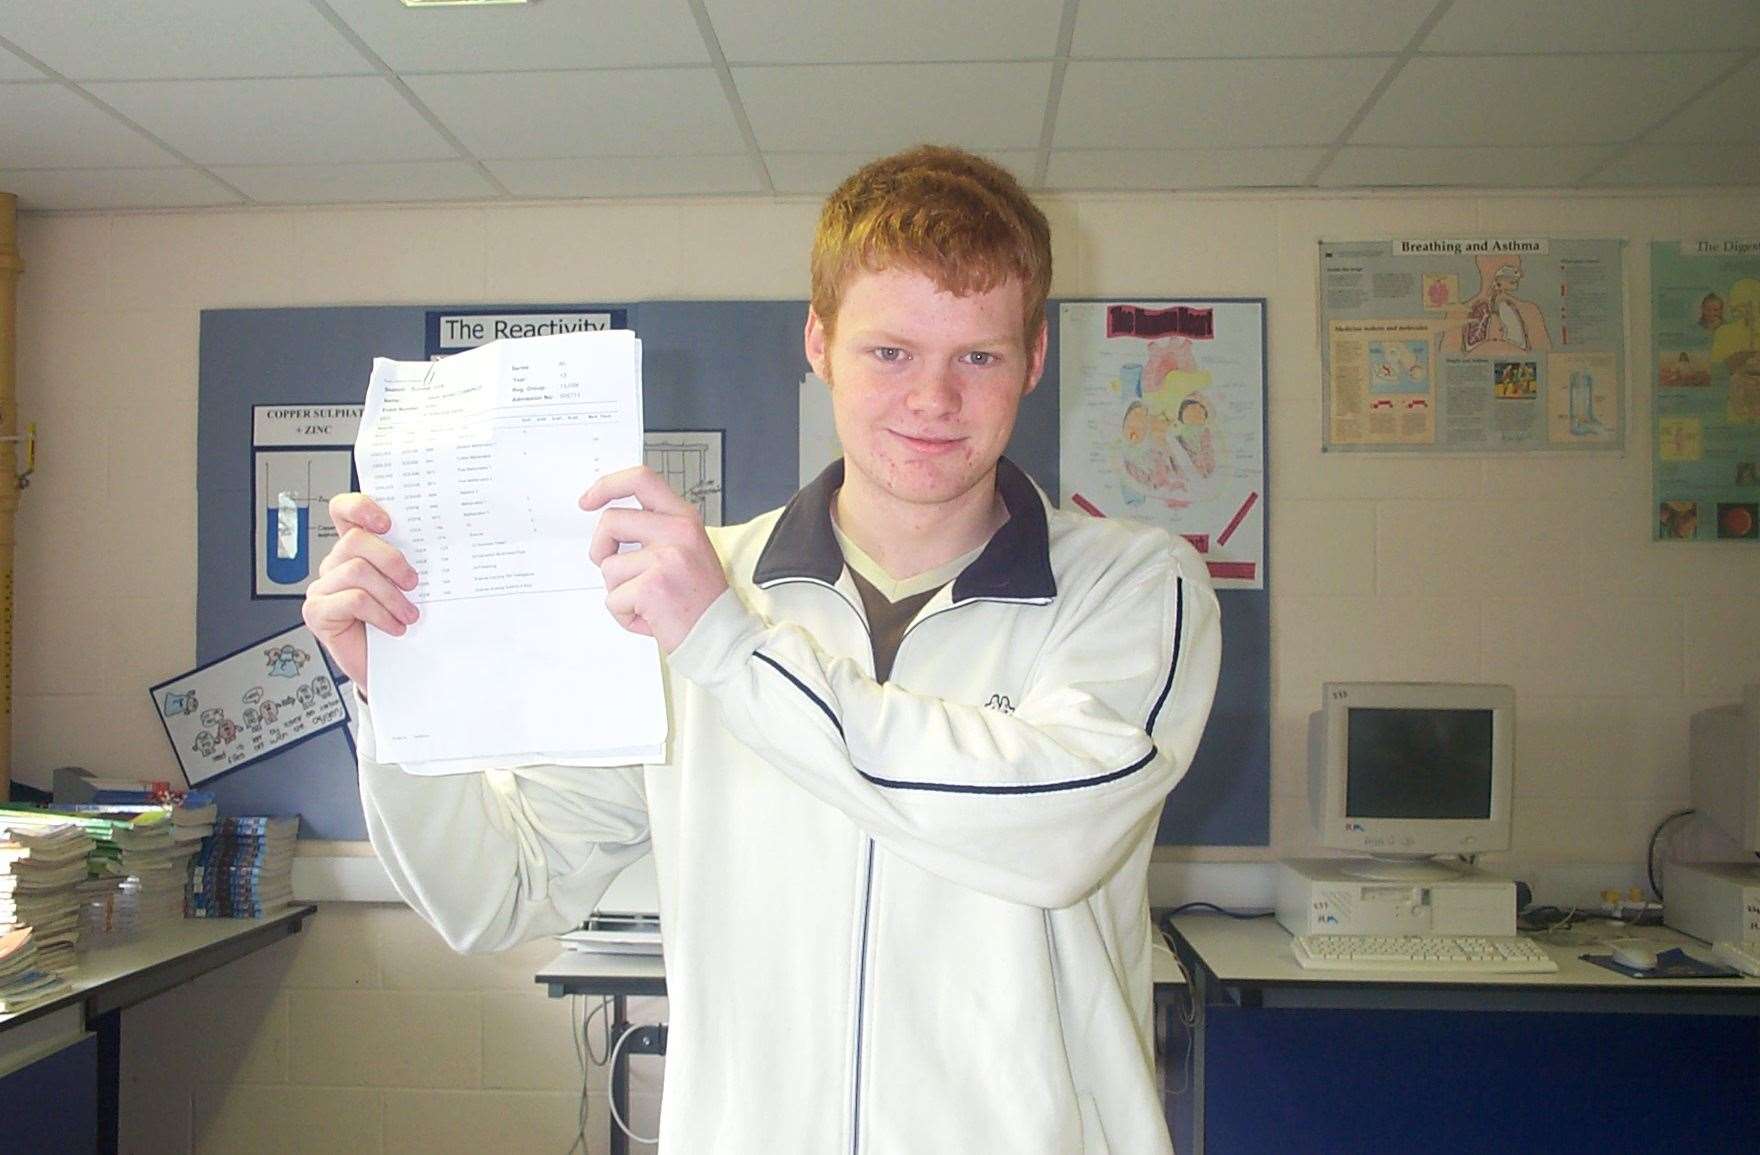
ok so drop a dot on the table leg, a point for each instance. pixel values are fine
(108, 1027)
(1200, 996)
(620, 1074)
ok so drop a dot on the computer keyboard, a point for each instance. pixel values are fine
(1428, 954)
(1743, 956)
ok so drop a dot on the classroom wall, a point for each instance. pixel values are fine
(1536, 572)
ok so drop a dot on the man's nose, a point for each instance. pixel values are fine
(935, 391)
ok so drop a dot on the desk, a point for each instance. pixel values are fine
(112, 979)
(577, 972)
(1581, 1060)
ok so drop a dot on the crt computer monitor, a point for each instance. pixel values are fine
(1404, 771)
(1723, 749)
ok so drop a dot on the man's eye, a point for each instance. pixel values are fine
(889, 353)
(980, 357)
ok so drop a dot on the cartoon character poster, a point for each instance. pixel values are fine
(271, 694)
(1163, 420)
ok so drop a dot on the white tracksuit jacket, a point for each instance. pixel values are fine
(900, 919)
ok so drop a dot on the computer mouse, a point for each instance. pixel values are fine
(1637, 955)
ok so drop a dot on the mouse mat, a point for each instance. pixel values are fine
(1670, 964)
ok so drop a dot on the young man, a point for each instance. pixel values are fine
(923, 725)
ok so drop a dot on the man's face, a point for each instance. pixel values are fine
(924, 385)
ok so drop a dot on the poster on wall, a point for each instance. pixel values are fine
(690, 461)
(274, 693)
(301, 457)
(1162, 419)
(1472, 345)
(455, 330)
(1705, 315)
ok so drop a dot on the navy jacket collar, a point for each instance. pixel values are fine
(1015, 566)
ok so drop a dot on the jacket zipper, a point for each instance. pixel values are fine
(855, 1110)
(855, 1091)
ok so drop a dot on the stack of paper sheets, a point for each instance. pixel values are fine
(24, 981)
(41, 868)
(480, 460)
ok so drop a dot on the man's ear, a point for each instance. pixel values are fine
(816, 340)
(1036, 362)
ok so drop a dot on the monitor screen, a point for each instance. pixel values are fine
(1418, 763)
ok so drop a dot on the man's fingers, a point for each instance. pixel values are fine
(622, 567)
(360, 544)
(358, 573)
(623, 602)
(618, 526)
(348, 510)
(335, 612)
(641, 483)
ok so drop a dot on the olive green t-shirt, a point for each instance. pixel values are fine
(892, 603)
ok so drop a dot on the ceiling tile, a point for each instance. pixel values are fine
(1206, 103)
(46, 125)
(821, 108)
(192, 39)
(1543, 166)
(903, 30)
(114, 188)
(550, 115)
(333, 120)
(1126, 29)
(1683, 164)
(1510, 26)
(1144, 170)
(628, 176)
(545, 35)
(820, 172)
(1505, 100)
(14, 68)
(1725, 115)
(435, 180)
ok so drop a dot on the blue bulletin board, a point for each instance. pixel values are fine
(733, 366)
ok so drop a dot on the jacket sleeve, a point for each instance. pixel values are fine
(493, 858)
(1038, 806)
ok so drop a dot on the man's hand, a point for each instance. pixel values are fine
(662, 588)
(362, 579)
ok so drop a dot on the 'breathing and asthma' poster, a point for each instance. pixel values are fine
(1475, 345)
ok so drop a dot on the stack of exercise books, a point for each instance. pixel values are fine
(245, 869)
(24, 980)
(192, 812)
(135, 842)
(41, 867)
(109, 910)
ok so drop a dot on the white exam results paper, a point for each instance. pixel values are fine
(480, 459)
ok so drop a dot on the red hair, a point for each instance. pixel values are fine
(955, 217)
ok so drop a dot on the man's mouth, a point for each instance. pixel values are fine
(928, 444)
